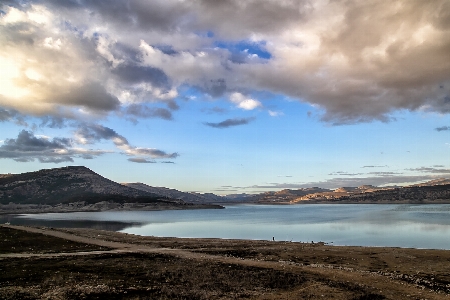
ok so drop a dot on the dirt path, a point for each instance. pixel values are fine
(383, 285)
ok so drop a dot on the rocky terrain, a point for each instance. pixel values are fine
(61, 185)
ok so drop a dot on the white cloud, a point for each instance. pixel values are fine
(243, 102)
(49, 43)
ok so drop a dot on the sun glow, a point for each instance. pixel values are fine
(9, 75)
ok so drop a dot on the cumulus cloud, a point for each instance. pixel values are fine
(28, 147)
(91, 133)
(230, 122)
(356, 62)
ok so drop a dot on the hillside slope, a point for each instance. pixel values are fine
(170, 193)
(412, 194)
(64, 185)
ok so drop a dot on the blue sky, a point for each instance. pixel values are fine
(285, 95)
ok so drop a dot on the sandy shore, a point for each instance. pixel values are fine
(46, 263)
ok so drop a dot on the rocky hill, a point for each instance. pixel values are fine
(284, 196)
(435, 191)
(76, 188)
(175, 194)
(439, 193)
(62, 185)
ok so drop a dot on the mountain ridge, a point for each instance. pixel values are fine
(77, 188)
(78, 183)
(60, 185)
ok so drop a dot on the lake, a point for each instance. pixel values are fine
(411, 226)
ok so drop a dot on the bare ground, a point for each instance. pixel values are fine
(46, 263)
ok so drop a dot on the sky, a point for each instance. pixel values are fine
(229, 96)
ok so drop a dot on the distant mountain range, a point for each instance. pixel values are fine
(435, 191)
(78, 184)
(189, 197)
(175, 194)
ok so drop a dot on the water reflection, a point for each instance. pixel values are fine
(40, 222)
(416, 226)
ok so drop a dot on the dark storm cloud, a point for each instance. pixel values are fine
(230, 122)
(143, 111)
(27, 147)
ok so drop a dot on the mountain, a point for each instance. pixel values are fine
(191, 197)
(437, 193)
(78, 188)
(80, 185)
(284, 196)
(65, 185)
(175, 194)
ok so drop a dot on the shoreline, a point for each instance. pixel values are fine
(13, 208)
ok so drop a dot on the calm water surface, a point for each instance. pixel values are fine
(415, 226)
